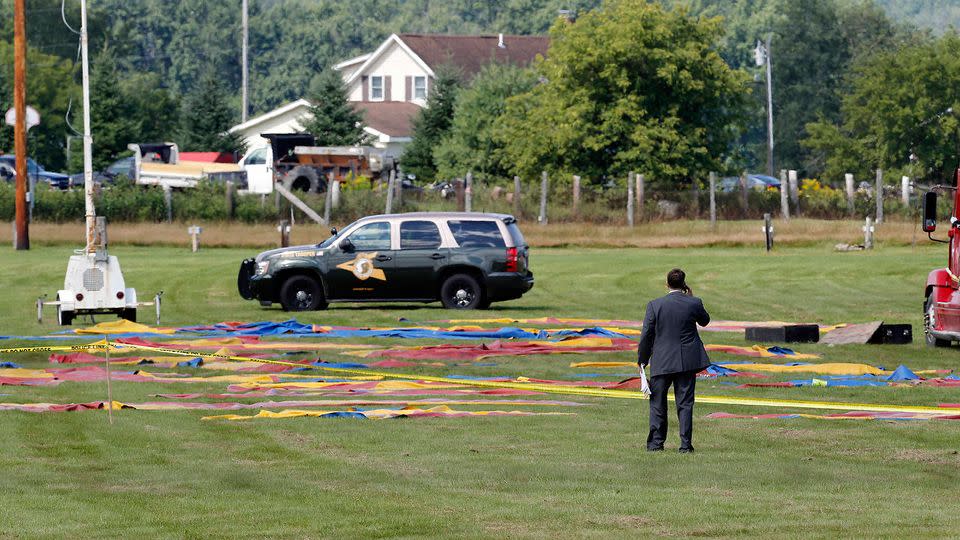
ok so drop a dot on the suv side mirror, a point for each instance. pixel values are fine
(333, 231)
(347, 246)
(929, 212)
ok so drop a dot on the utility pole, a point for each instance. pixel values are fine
(244, 23)
(762, 56)
(90, 211)
(20, 125)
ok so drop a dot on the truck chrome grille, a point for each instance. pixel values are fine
(93, 279)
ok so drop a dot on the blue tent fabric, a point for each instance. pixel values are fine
(902, 373)
(719, 371)
(780, 350)
(343, 365)
(192, 363)
(9, 365)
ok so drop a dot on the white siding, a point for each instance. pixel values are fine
(394, 63)
(292, 122)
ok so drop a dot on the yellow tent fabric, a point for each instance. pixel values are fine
(122, 326)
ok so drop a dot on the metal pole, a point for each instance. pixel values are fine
(90, 212)
(22, 237)
(769, 61)
(244, 30)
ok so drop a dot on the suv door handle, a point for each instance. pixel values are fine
(436, 256)
(383, 258)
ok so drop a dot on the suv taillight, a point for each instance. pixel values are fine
(511, 259)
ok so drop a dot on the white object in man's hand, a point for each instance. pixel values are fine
(644, 385)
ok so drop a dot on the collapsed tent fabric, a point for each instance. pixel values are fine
(379, 414)
(573, 345)
(122, 326)
(852, 415)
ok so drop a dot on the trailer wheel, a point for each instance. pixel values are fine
(928, 324)
(301, 179)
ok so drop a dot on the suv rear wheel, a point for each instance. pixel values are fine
(301, 293)
(461, 291)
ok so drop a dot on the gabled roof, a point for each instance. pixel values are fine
(471, 53)
(270, 115)
(392, 118)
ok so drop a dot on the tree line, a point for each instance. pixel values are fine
(669, 87)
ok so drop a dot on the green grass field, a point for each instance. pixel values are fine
(169, 474)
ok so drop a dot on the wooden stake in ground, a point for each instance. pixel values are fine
(517, 209)
(544, 185)
(784, 200)
(109, 388)
(713, 200)
(768, 231)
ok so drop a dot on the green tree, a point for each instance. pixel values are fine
(897, 107)
(629, 86)
(472, 143)
(112, 114)
(432, 124)
(334, 122)
(206, 116)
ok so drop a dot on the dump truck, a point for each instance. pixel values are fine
(160, 164)
(296, 163)
(941, 303)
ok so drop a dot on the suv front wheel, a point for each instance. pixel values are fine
(461, 291)
(301, 293)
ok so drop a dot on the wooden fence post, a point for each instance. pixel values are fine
(334, 187)
(794, 190)
(168, 201)
(390, 188)
(768, 231)
(695, 193)
(284, 229)
(630, 200)
(468, 193)
(576, 196)
(784, 195)
(868, 234)
(194, 232)
(879, 196)
(328, 200)
(398, 189)
(848, 180)
(544, 185)
(460, 191)
(517, 208)
(713, 200)
(905, 190)
(640, 194)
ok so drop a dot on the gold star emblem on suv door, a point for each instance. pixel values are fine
(362, 267)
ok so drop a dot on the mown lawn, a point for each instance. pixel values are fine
(162, 474)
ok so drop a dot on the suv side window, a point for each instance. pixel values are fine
(419, 235)
(372, 237)
(476, 233)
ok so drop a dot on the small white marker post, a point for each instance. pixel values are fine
(868, 234)
(194, 232)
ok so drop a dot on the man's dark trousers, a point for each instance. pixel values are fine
(684, 384)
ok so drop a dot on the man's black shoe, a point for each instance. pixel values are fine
(686, 450)
(655, 449)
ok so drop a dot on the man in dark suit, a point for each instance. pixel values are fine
(670, 344)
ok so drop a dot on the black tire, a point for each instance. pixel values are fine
(301, 293)
(484, 304)
(461, 291)
(65, 318)
(129, 314)
(301, 179)
(931, 340)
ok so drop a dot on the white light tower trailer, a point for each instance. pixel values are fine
(94, 282)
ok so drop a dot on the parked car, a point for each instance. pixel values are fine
(754, 181)
(35, 170)
(121, 167)
(464, 260)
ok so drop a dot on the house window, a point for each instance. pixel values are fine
(376, 88)
(419, 88)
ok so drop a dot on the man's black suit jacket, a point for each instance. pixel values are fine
(669, 341)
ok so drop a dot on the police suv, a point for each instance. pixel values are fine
(464, 260)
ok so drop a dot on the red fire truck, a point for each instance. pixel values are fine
(941, 306)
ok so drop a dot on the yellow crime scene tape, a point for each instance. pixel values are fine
(568, 390)
(99, 345)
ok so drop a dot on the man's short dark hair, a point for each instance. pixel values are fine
(676, 279)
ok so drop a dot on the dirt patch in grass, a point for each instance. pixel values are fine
(801, 434)
(938, 457)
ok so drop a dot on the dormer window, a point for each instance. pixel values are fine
(420, 87)
(376, 88)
